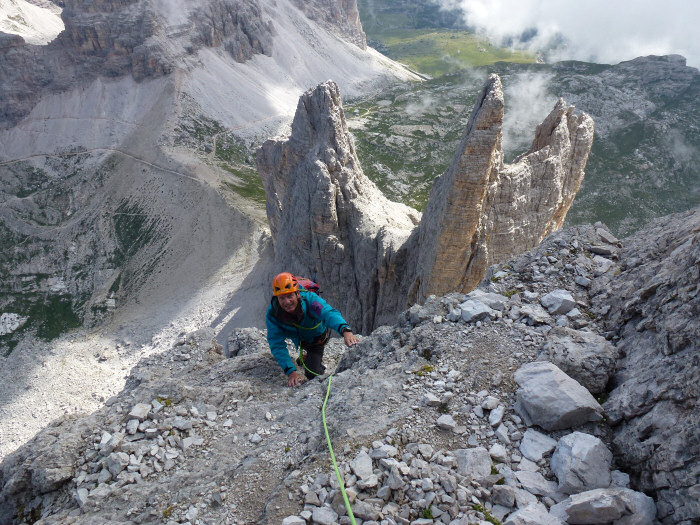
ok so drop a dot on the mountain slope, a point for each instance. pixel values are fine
(116, 139)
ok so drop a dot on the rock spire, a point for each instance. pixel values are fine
(481, 211)
(325, 215)
(372, 255)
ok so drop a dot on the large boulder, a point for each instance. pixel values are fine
(551, 399)
(619, 506)
(585, 356)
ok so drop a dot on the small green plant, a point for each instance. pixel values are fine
(424, 371)
(590, 314)
(443, 408)
(487, 514)
(165, 401)
(287, 448)
(426, 514)
(510, 293)
(168, 511)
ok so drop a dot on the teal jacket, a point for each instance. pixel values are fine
(318, 316)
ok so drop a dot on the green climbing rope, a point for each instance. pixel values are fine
(330, 448)
(328, 439)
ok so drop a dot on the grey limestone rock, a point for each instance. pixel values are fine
(534, 445)
(474, 463)
(654, 309)
(551, 399)
(581, 462)
(340, 17)
(613, 505)
(558, 302)
(474, 310)
(476, 196)
(238, 26)
(534, 514)
(585, 356)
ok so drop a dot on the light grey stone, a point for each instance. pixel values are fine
(104, 476)
(132, 426)
(81, 497)
(618, 505)
(293, 520)
(474, 310)
(431, 399)
(474, 463)
(620, 479)
(535, 445)
(446, 422)
(494, 301)
(496, 416)
(530, 466)
(549, 398)
(490, 403)
(535, 313)
(535, 483)
(499, 453)
(558, 302)
(324, 516)
(116, 462)
(586, 357)
(182, 423)
(365, 511)
(503, 495)
(362, 465)
(140, 411)
(533, 514)
(582, 281)
(581, 462)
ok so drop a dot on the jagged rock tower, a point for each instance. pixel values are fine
(481, 211)
(372, 256)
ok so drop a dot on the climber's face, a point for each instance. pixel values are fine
(289, 301)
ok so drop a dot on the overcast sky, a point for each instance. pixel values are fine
(606, 31)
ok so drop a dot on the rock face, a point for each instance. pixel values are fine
(340, 15)
(237, 26)
(108, 38)
(654, 307)
(370, 250)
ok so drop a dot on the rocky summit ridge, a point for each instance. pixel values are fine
(327, 218)
(473, 408)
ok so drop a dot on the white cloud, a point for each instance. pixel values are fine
(526, 106)
(601, 31)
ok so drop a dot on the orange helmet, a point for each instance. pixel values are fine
(284, 283)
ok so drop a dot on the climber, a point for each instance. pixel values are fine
(302, 316)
